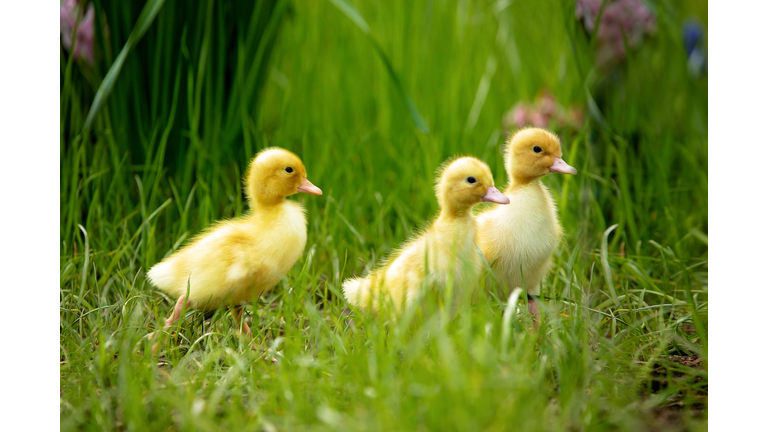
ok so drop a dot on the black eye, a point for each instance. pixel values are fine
(471, 180)
(537, 149)
(289, 170)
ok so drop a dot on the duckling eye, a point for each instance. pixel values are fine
(471, 180)
(289, 170)
(537, 149)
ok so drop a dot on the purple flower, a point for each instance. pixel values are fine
(587, 10)
(693, 41)
(621, 18)
(83, 40)
(693, 33)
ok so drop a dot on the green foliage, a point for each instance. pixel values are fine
(211, 83)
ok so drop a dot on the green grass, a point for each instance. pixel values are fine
(206, 88)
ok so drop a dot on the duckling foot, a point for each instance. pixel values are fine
(175, 315)
(155, 347)
(155, 335)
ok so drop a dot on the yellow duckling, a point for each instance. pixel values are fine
(236, 260)
(448, 244)
(525, 234)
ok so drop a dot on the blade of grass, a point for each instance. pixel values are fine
(350, 12)
(607, 266)
(148, 15)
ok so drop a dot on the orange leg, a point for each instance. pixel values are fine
(175, 315)
(533, 308)
(180, 304)
(243, 325)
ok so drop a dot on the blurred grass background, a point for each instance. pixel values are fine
(374, 96)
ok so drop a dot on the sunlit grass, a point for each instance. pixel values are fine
(166, 153)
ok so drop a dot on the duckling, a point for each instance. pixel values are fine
(448, 244)
(236, 260)
(525, 234)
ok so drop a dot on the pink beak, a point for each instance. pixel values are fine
(561, 167)
(308, 187)
(495, 196)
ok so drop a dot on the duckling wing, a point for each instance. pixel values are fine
(403, 278)
(232, 262)
(392, 285)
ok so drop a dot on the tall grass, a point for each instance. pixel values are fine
(373, 110)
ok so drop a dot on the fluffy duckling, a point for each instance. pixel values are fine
(447, 244)
(525, 234)
(236, 260)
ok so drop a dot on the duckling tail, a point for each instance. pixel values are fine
(357, 291)
(161, 276)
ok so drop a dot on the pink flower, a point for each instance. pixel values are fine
(544, 112)
(538, 119)
(83, 40)
(621, 18)
(547, 104)
(588, 10)
(519, 115)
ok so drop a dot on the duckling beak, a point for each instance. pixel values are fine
(561, 167)
(495, 196)
(308, 187)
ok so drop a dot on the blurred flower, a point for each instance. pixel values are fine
(587, 10)
(621, 18)
(693, 41)
(83, 40)
(519, 116)
(544, 112)
(693, 34)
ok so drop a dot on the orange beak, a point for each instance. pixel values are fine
(308, 187)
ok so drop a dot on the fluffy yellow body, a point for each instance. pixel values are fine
(521, 237)
(236, 261)
(518, 240)
(445, 252)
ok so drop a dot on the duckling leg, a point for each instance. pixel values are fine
(244, 329)
(180, 304)
(175, 315)
(533, 309)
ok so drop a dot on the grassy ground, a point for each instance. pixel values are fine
(373, 107)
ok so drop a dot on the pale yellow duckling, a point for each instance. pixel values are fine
(236, 260)
(449, 244)
(525, 234)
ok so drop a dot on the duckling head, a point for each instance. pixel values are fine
(533, 153)
(274, 174)
(464, 183)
